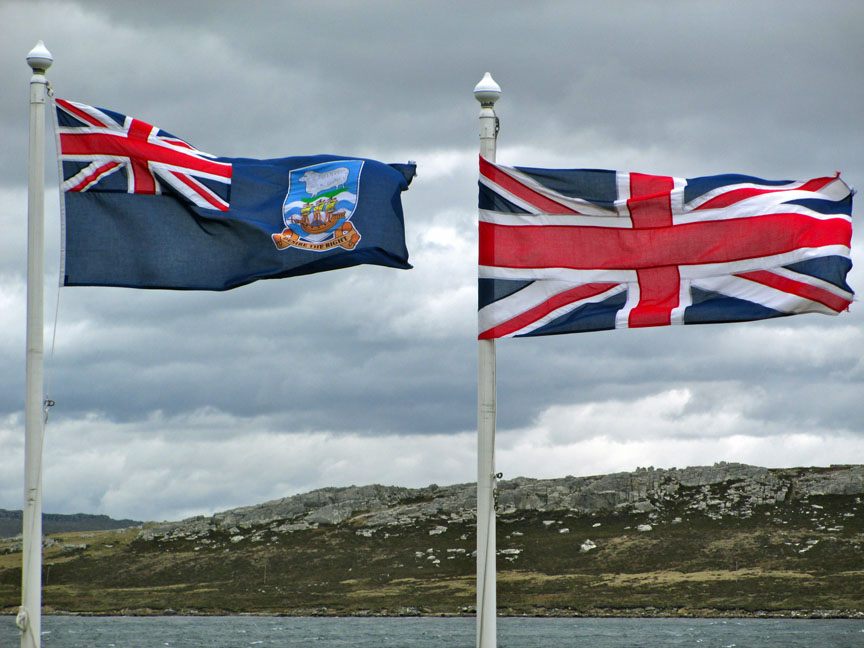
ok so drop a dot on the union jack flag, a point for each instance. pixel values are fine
(565, 251)
(102, 150)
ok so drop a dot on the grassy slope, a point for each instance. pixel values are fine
(698, 566)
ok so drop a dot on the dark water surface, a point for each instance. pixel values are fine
(241, 632)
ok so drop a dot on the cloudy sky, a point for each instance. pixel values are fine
(172, 404)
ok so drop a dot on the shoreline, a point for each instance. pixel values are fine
(554, 613)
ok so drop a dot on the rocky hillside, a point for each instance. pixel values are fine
(728, 539)
(725, 489)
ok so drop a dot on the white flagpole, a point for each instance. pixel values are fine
(487, 93)
(29, 618)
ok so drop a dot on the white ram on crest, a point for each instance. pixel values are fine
(318, 182)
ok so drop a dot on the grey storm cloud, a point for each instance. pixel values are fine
(369, 375)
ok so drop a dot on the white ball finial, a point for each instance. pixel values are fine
(487, 91)
(39, 58)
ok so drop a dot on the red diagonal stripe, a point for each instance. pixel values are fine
(80, 114)
(95, 175)
(542, 310)
(737, 195)
(538, 200)
(805, 290)
(577, 247)
(202, 191)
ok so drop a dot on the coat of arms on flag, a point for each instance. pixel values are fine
(318, 207)
(142, 208)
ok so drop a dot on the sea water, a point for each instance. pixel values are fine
(428, 632)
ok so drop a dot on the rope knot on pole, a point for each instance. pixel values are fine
(22, 620)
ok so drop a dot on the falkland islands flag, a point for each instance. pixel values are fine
(145, 209)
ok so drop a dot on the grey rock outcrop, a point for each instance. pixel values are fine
(719, 490)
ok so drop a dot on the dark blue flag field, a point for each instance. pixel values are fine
(145, 209)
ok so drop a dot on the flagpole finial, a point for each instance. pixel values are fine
(487, 91)
(39, 58)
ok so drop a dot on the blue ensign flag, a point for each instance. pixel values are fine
(145, 209)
